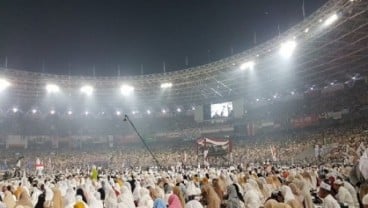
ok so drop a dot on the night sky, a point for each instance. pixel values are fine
(73, 37)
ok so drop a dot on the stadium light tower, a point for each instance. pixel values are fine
(247, 65)
(287, 48)
(126, 90)
(166, 85)
(87, 90)
(52, 88)
(4, 84)
(329, 21)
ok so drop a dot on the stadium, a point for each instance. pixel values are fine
(296, 104)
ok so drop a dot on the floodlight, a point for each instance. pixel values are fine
(52, 88)
(148, 112)
(126, 90)
(15, 110)
(70, 112)
(52, 112)
(134, 112)
(287, 48)
(257, 99)
(163, 111)
(333, 18)
(34, 111)
(247, 65)
(87, 90)
(4, 84)
(166, 85)
(86, 113)
(178, 110)
(118, 113)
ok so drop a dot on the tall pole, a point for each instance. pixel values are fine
(126, 118)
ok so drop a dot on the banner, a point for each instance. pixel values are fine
(302, 122)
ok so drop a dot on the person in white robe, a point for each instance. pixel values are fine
(251, 197)
(325, 194)
(126, 197)
(343, 196)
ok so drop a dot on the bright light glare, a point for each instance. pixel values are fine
(179, 110)
(148, 112)
(52, 112)
(247, 65)
(86, 113)
(193, 108)
(70, 112)
(287, 49)
(118, 113)
(306, 30)
(34, 111)
(126, 90)
(4, 84)
(87, 90)
(331, 20)
(163, 111)
(52, 88)
(15, 110)
(166, 85)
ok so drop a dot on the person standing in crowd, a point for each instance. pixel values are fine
(41, 198)
(210, 198)
(325, 194)
(342, 194)
(158, 202)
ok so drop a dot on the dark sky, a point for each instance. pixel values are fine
(76, 35)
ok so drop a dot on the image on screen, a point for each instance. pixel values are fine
(221, 110)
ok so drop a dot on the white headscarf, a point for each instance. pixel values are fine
(145, 199)
(126, 197)
(111, 200)
(136, 192)
(287, 193)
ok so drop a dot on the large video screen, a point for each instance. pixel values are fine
(221, 110)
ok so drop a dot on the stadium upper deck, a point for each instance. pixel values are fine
(330, 46)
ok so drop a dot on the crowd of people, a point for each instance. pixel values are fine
(252, 186)
(265, 172)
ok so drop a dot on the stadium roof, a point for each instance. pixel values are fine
(331, 45)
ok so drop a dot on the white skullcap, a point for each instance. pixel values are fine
(365, 200)
(325, 186)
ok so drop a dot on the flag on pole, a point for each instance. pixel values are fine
(19, 161)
